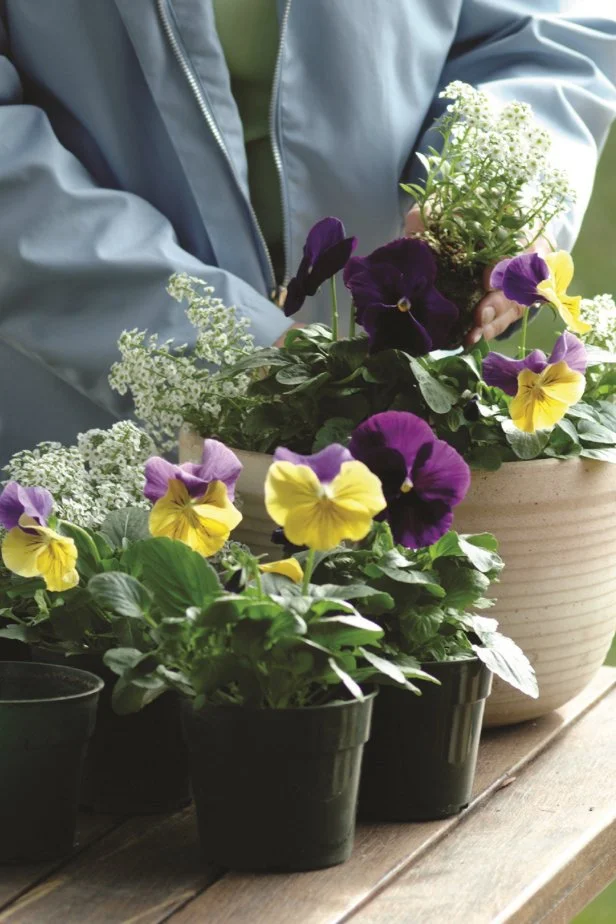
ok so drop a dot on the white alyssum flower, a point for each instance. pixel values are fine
(167, 380)
(103, 472)
(601, 313)
(491, 189)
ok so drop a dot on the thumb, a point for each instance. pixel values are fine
(413, 223)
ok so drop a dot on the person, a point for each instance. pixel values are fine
(207, 136)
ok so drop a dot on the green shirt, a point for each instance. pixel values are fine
(249, 35)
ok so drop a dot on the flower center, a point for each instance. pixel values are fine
(406, 486)
(404, 304)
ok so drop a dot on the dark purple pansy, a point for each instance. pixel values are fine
(502, 372)
(325, 464)
(519, 277)
(397, 303)
(423, 477)
(326, 251)
(218, 463)
(16, 501)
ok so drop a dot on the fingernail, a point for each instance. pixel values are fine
(474, 336)
(487, 315)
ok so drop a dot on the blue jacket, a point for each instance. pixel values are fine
(122, 160)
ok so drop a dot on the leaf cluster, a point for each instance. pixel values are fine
(424, 599)
(271, 644)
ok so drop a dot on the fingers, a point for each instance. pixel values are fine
(493, 315)
(413, 223)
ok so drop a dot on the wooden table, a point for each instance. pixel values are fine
(536, 845)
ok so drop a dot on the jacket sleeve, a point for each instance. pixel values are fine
(78, 263)
(564, 65)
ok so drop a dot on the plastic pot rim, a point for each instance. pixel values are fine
(94, 681)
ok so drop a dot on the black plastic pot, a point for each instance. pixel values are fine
(135, 764)
(276, 789)
(421, 758)
(47, 714)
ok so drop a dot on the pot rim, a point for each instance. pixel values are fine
(95, 683)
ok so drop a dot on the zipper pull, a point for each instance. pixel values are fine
(279, 296)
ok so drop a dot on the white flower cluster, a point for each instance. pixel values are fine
(497, 158)
(601, 313)
(103, 472)
(167, 379)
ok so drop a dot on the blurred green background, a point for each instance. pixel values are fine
(595, 272)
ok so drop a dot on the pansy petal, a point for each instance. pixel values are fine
(522, 276)
(416, 524)
(444, 475)
(16, 500)
(287, 487)
(560, 265)
(323, 525)
(41, 552)
(356, 488)
(397, 430)
(57, 562)
(288, 567)
(218, 463)
(569, 308)
(296, 293)
(502, 372)
(20, 551)
(330, 262)
(570, 350)
(324, 234)
(498, 274)
(438, 315)
(561, 383)
(325, 464)
(158, 473)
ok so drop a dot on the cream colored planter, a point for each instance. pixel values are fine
(556, 525)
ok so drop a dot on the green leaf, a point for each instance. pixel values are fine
(525, 445)
(121, 593)
(507, 661)
(88, 562)
(482, 557)
(603, 455)
(344, 630)
(334, 430)
(120, 660)
(130, 524)
(593, 432)
(176, 576)
(128, 697)
(385, 667)
(409, 576)
(440, 398)
(20, 633)
(353, 687)
(294, 375)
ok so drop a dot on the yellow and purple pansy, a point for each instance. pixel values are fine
(423, 477)
(529, 278)
(543, 388)
(322, 499)
(193, 501)
(31, 548)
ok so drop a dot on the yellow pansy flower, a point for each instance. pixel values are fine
(554, 290)
(320, 514)
(288, 567)
(543, 398)
(203, 523)
(31, 550)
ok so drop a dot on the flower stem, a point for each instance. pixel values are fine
(332, 283)
(523, 336)
(308, 571)
(352, 322)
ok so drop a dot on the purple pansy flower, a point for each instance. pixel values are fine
(326, 251)
(218, 463)
(397, 302)
(502, 372)
(15, 501)
(519, 277)
(326, 464)
(423, 477)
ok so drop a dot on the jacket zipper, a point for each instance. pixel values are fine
(274, 140)
(178, 52)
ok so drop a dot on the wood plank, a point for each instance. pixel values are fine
(140, 872)
(382, 852)
(15, 880)
(515, 860)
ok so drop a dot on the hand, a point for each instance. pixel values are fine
(494, 313)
